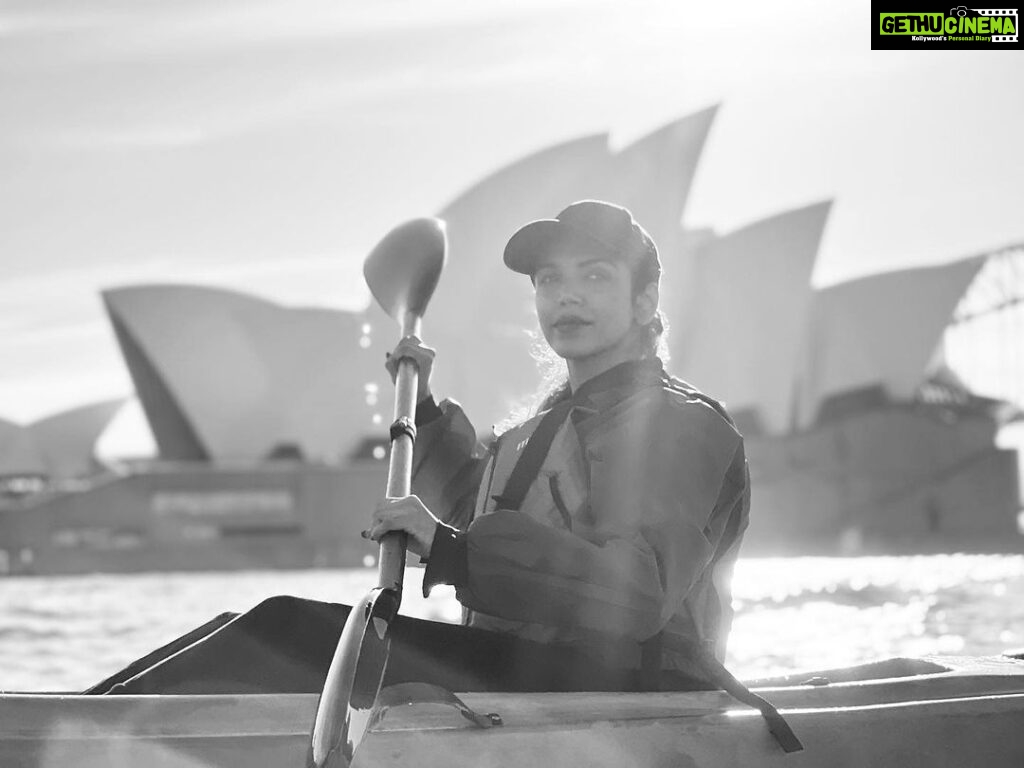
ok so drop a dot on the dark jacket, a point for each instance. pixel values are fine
(630, 528)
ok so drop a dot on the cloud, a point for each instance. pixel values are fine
(26, 337)
(28, 396)
(192, 73)
(44, 292)
(139, 137)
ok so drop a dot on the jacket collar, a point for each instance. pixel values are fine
(611, 387)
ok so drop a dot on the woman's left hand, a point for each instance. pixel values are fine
(408, 514)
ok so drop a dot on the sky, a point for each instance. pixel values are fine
(266, 146)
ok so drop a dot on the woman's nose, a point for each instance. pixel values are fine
(569, 294)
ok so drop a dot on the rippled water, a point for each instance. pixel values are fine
(63, 634)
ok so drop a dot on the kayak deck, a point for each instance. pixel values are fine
(928, 712)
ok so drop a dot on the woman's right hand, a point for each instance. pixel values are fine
(413, 348)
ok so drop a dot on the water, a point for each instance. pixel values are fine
(63, 634)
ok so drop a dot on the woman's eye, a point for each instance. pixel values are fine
(596, 275)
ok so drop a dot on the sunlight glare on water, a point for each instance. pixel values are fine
(66, 633)
(814, 613)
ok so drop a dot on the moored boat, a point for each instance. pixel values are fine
(932, 711)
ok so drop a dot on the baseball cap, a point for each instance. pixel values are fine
(594, 225)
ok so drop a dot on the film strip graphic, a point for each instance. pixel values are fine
(1004, 12)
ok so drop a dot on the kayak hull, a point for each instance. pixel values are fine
(937, 712)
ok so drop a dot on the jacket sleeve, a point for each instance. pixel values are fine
(655, 493)
(447, 462)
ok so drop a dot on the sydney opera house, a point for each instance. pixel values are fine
(271, 421)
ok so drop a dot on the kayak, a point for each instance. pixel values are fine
(928, 711)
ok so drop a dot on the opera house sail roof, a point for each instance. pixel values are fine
(881, 330)
(226, 376)
(58, 446)
(741, 333)
(19, 452)
(68, 439)
(481, 315)
(222, 375)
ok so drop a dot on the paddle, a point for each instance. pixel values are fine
(401, 272)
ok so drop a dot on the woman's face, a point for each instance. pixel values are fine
(585, 307)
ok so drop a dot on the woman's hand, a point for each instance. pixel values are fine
(408, 514)
(421, 354)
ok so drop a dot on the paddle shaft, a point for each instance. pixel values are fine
(401, 273)
(391, 562)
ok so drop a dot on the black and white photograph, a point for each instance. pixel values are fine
(511, 384)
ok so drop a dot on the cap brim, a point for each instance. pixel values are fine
(530, 242)
(538, 239)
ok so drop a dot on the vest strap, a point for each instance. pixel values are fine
(530, 460)
(721, 677)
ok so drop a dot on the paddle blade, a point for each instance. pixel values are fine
(403, 269)
(353, 681)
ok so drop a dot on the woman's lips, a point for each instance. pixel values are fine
(570, 324)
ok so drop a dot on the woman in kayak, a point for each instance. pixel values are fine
(609, 522)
